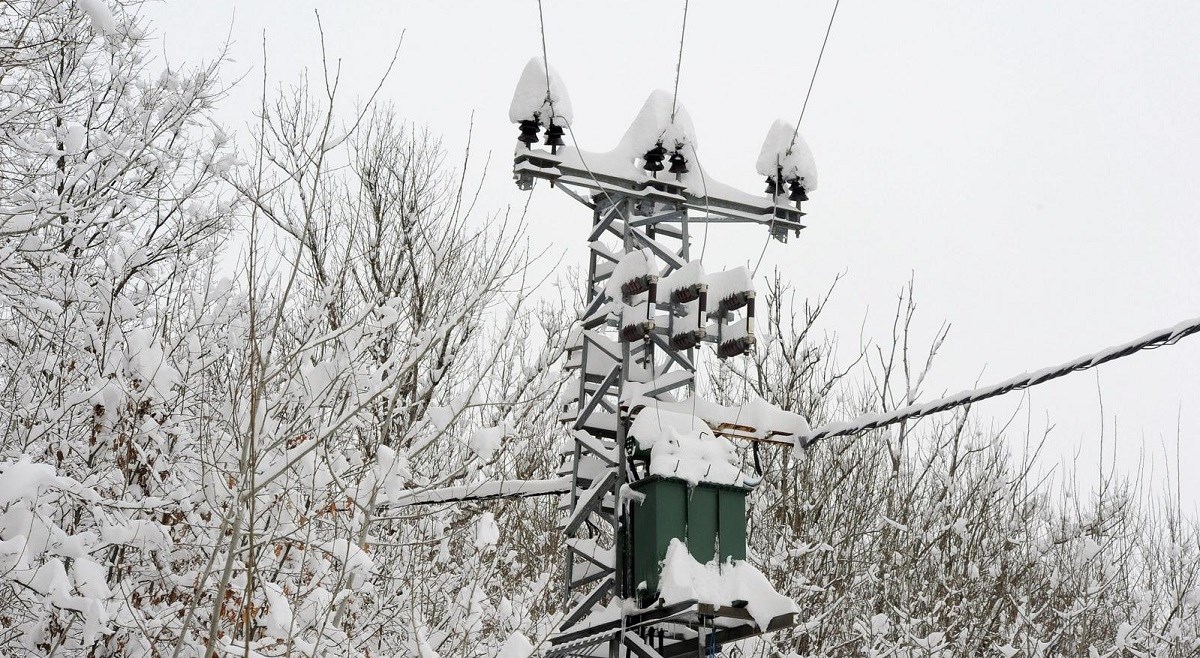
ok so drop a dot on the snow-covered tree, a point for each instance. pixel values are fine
(199, 458)
(936, 539)
(110, 213)
(238, 376)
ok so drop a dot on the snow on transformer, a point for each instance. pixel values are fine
(689, 527)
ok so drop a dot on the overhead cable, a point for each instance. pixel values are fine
(816, 68)
(679, 62)
(868, 422)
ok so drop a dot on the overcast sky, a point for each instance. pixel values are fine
(1033, 165)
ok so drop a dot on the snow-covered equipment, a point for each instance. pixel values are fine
(733, 290)
(685, 293)
(633, 274)
(709, 519)
(735, 339)
(786, 160)
(661, 140)
(540, 96)
(529, 132)
(649, 462)
(654, 516)
(692, 499)
(554, 136)
(652, 161)
(678, 164)
(540, 99)
(797, 191)
(635, 324)
(686, 284)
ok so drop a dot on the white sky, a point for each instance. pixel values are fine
(1033, 164)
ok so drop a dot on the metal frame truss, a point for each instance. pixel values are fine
(612, 358)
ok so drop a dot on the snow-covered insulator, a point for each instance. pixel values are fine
(654, 159)
(635, 321)
(678, 164)
(729, 290)
(631, 333)
(736, 300)
(554, 137)
(773, 187)
(639, 285)
(529, 132)
(687, 340)
(796, 190)
(735, 347)
(786, 156)
(688, 293)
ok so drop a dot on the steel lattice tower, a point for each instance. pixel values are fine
(628, 356)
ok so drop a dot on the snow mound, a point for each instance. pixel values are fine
(391, 471)
(763, 415)
(100, 15)
(766, 420)
(487, 532)
(357, 561)
(632, 265)
(279, 615)
(74, 138)
(794, 157)
(517, 646)
(632, 314)
(654, 125)
(486, 441)
(25, 479)
(692, 273)
(685, 579)
(147, 365)
(695, 456)
(652, 423)
(727, 283)
(532, 100)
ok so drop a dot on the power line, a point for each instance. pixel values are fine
(760, 255)
(545, 57)
(679, 62)
(1160, 338)
(816, 68)
(803, 108)
(869, 422)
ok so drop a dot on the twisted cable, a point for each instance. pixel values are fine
(868, 422)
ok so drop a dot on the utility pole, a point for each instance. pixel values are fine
(649, 310)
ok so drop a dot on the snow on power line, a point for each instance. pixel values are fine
(482, 491)
(872, 421)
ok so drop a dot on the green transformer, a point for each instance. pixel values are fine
(709, 518)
